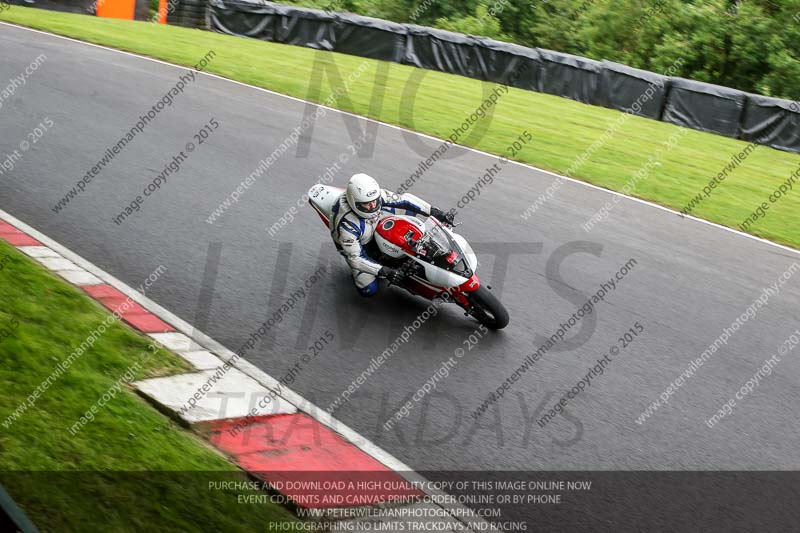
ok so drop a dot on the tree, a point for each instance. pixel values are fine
(483, 23)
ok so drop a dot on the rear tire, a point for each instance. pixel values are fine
(487, 309)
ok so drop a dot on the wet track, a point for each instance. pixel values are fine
(688, 281)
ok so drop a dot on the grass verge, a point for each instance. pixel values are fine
(131, 469)
(562, 130)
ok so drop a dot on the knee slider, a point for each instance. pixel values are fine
(369, 290)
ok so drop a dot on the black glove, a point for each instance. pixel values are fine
(395, 276)
(445, 217)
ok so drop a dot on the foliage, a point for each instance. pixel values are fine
(752, 45)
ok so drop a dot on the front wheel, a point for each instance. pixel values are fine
(487, 309)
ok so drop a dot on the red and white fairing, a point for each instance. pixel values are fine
(397, 235)
(393, 233)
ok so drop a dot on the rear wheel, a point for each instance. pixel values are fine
(487, 309)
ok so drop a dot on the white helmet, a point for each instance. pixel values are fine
(364, 196)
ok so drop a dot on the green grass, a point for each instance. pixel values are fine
(562, 129)
(131, 469)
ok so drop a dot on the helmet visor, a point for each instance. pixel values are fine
(369, 207)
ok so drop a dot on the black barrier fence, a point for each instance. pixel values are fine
(67, 6)
(369, 37)
(704, 107)
(773, 121)
(692, 104)
(570, 76)
(622, 86)
(508, 63)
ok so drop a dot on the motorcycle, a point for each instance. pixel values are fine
(437, 262)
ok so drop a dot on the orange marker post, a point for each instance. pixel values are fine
(116, 9)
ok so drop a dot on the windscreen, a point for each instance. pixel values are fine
(439, 248)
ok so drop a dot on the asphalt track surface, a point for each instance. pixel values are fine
(690, 281)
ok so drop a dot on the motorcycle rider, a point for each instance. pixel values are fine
(352, 227)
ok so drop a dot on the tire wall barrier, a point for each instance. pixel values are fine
(189, 13)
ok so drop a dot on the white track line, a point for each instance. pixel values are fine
(400, 128)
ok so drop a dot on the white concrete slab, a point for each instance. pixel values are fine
(213, 395)
(177, 342)
(79, 277)
(38, 251)
(201, 359)
(58, 263)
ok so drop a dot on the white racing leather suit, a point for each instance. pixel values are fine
(351, 233)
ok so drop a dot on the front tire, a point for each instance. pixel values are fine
(487, 309)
